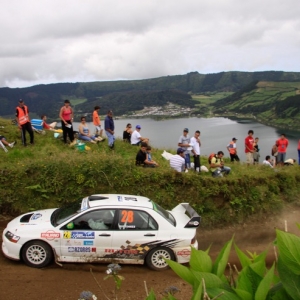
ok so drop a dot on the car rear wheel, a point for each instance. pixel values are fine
(37, 254)
(155, 260)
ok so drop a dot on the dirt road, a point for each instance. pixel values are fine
(18, 281)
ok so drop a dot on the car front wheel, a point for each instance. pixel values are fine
(37, 254)
(155, 260)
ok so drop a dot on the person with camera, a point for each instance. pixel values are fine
(217, 167)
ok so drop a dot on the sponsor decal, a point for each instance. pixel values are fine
(122, 251)
(35, 216)
(79, 249)
(88, 243)
(93, 249)
(184, 253)
(79, 235)
(130, 198)
(120, 198)
(50, 235)
(12, 237)
(73, 243)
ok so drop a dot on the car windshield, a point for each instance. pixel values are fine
(64, 213)
(168, 216)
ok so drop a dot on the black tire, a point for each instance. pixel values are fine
(37, 254)
(155, 258)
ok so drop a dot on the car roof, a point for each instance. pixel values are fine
(116, 200)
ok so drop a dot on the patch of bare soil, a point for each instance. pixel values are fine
(18, 281)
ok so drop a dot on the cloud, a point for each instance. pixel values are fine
(69, 41)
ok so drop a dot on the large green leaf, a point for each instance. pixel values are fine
(290, 281)
(211, 280)
(259, 267)
(243, 283)
(264, 286)
(222, 259)
(261, 257)
(198, 292)
(182, 271)
(289, 245)
(244, 259)
(244, 294)
(200, 261)
(151, 296)
(228, 295)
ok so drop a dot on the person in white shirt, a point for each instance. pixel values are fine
(177, 161)
(136, 138)
(268, 161)
(196, 144)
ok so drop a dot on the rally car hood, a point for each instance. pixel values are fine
(39, 217)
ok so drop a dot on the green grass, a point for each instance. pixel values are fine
(74, 100)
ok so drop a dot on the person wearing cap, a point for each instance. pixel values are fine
(231, 147)
(23, 121)
(136, 138)
(66, 116)
(183, 143)
(177, 161)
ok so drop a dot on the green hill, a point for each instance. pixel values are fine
(274, 103)
(122, 96)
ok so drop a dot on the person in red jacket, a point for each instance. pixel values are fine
(23, 121)
(282, 144)
(249, 147)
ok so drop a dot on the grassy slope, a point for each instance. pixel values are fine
(51, 174)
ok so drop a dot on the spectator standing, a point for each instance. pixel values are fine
(232, 149)
(196, 144)
(217, 167)
(66, 115)
(177, 161)
(183, 143)
(282, 144)
(256, 154)
(136, 138)
(24, 124)
(97, 121)
(274, 153)
(249, 147)
(109, 127)
(267, 161)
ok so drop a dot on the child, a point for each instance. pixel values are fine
(149, 156)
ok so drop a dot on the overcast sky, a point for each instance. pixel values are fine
(95, 40)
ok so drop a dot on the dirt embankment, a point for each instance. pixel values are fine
(21, 282)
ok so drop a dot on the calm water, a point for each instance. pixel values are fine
(216, 133)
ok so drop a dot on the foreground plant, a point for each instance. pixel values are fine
(254, 282)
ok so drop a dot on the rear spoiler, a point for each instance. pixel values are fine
(195, 218)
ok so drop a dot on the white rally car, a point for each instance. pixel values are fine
(104, 228)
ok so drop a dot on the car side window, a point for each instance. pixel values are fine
(93, 220)
(135, 220)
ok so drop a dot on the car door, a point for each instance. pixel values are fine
(88, 235)
(135, 234)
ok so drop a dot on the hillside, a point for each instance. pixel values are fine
(273, 103)
(48, 99)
